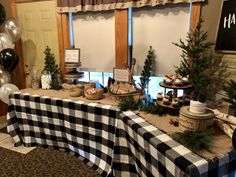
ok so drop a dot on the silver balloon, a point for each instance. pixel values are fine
(6, 90)
(12, 28)
(5, 76)
(6, 42)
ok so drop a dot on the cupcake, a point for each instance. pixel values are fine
(166, 101)
(159, 96)
(185, 80)
(168, 81)
(169, 95)
(177, 82)
(165, 78)
(175, 103)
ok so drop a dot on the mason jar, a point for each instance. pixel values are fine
(46, 79)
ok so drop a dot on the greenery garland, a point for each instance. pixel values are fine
(195, 141)
(128, 103)
(152, 108)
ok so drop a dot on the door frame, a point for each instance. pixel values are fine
(19, 76)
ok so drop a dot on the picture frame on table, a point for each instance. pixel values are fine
(72, 56)
(121, 74)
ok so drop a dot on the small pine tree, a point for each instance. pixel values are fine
(196, 61)
(52, 67)
(50, 62)
(147, 69)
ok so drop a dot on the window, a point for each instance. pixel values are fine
(97, 48)
(94, 34)
(148, 26)
(159, 27)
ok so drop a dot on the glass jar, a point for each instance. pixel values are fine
(46, 79)
(35, 84)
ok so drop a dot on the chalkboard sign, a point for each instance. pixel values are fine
(226, 38)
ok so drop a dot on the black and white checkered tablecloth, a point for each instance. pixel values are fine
(153, 153)
(87, 130)
(112, 143)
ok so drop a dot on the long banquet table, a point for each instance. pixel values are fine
(112, 142)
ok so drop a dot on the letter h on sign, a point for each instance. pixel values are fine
(228, 21)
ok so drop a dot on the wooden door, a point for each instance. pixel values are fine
(39, 29)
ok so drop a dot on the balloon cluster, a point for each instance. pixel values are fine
(8, 57)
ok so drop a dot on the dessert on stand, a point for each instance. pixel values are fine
(171, 99)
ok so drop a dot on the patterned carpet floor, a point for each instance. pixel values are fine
(42, 162)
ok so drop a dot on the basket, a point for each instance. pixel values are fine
(89, 85)
(75, 92)
(68, 86)
(93, 93)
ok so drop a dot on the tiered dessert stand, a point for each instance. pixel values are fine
(175, 89)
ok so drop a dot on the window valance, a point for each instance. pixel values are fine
(101, 5)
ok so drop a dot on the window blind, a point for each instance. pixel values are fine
(159, 27)
(94, 34)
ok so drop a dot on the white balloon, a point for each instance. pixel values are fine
(12, 28)
(6, 42)
(5, 76)
(6, 90)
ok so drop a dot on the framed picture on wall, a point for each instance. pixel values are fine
(226, 37)
(72, 56)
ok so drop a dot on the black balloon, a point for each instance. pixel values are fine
(2, 14)
(9, 59)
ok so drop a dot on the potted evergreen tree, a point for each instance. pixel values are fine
(52, 68)
(196, 60)
(147, 70)
(230, 90)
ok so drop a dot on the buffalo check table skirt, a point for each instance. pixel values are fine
(111, 142)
